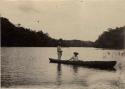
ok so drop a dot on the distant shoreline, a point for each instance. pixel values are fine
(62, 47)
(17, 36)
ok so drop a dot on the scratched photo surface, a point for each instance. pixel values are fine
(62, 44)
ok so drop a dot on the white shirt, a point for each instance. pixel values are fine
(74, 58)
(59, 49)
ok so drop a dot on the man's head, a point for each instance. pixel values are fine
(59, 43)
(76, 53)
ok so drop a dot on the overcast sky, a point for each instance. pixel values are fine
(67, 19)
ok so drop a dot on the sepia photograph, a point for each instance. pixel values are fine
(62, 44)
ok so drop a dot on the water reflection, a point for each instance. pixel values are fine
(76, 79)
(59, 74)
(75, 69)
(21, 71)
(75, 76)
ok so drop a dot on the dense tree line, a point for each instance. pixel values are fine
(13, 36)
(113, 38)
(18, 36)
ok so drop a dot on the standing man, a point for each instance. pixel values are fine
(59, 51)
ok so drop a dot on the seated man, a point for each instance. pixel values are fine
(75, 57)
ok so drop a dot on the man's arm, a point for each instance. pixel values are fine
(71, 58)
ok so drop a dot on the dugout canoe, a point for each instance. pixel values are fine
(91, 64)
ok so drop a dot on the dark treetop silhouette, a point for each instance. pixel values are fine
(113, 38)
(17, 36)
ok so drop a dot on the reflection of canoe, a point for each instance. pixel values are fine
(91, 64)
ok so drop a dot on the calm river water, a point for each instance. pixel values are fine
(29, 67)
